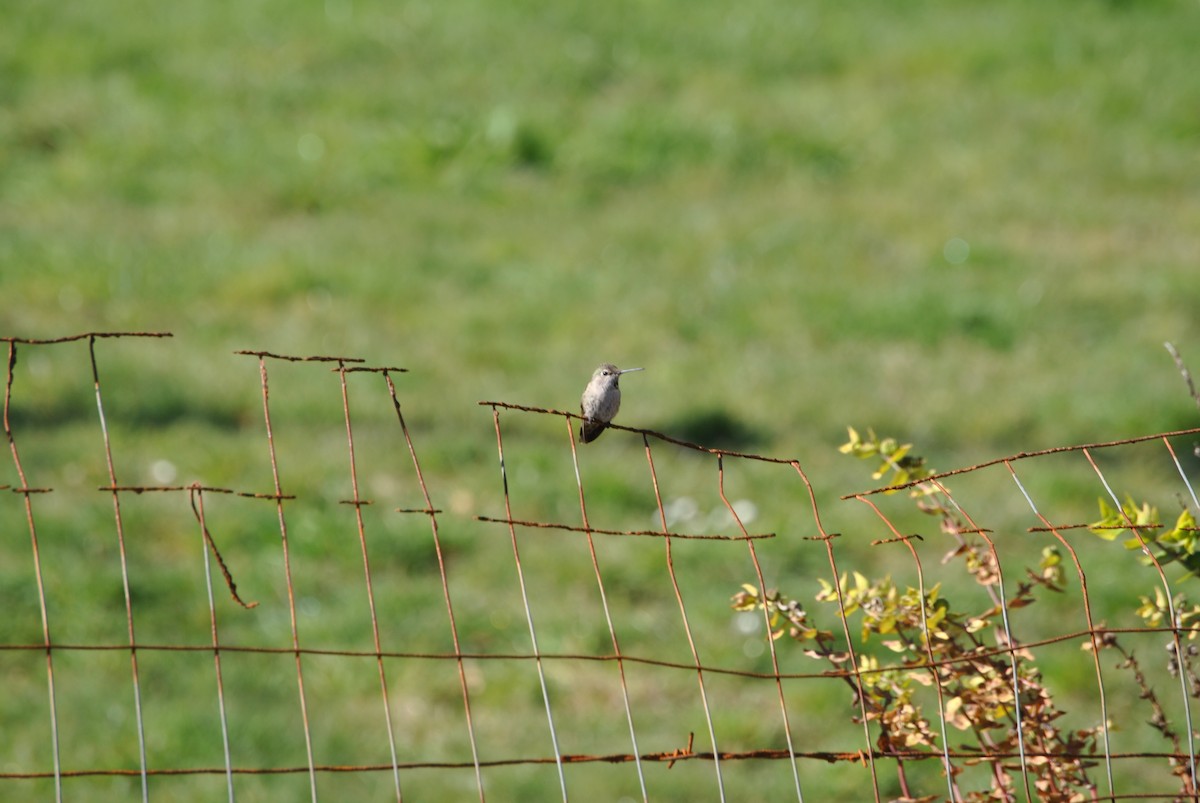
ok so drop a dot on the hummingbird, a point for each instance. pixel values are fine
(601, 400)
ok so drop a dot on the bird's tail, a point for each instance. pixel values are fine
(590, 430)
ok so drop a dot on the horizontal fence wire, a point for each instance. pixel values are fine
(560, 667)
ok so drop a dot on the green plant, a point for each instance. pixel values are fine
(1181, 543)
(913, 638)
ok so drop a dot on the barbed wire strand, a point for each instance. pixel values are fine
(1170, 602)
(197, 499)
(951, 783)
(541, 671)
(687, 628)
(358, 503)
(612, 631)
(47, 643)
(762, 590)
(287, 571)
(1091, 623)
(431, 513)
(116, 499)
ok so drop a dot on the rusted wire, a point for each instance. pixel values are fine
(47, 643)
(89, 336)
(931, 661)
(358, 503)
(1010, 640)
(954, 759)
(712, 669)
(612, 631)
(116, 500)
(644, 432)
(287, 560)
(762, 590)
(197, 501)
(383, 370)
(1024, 456)
(1169, 595)
(549, 525)
(856, 673)
(665, 757)
(293, 358)
(1091, 623)
(541, 670)
(432, 513)
(687, 627)
(208, 489)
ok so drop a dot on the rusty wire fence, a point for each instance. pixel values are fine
(179, 640)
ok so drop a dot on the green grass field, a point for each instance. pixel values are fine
(970, 226)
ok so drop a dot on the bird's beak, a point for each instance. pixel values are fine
(627, 370)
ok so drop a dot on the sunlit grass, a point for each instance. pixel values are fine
(971, 227)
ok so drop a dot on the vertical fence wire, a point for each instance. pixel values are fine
(1010, 640)
(1182, 474)
(855, 670)
(687, 628)
(762, 590)
(116, 500)
(287, 573)
(357, 502)
(431, 512)
(947, 764)
(612, 631)
(1187, 709)
(196, 496)
(26, 491)
(537, 653)
(1094, 639)
(1169, 593)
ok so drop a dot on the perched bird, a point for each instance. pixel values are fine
(601, 400)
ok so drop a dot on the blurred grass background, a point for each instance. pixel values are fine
(968, 225)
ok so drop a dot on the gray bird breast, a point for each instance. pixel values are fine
(600, 402)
